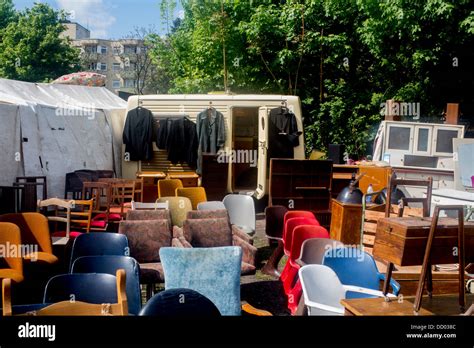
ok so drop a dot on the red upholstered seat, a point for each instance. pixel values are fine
(102, 217)
(72, 235)
(98, 224)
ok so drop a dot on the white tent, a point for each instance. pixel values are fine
(52, 129)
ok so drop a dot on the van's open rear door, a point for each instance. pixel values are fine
(262, 181)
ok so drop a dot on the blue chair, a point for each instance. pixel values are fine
(213, 272)
(110, 264)
(356, 267)
(99, 243)
(180, 303)
(95, 288)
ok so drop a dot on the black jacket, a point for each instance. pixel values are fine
(182, 142)
(138, 134)
(283, 134)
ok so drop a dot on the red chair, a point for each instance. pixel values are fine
(300, 234)
(288, 237)
(290, 226)
(298, 213)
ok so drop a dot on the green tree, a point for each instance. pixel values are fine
(7, 13)
(32, 49)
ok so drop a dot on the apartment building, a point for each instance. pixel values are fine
(115, 59)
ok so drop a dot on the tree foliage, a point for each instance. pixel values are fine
(343, 58)
(31, 48)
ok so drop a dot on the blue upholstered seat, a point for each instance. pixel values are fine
(213, 272)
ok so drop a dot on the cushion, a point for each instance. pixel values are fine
(146, 237)
(99, 223)
(72, 234)
(208, 233)
(102, 216)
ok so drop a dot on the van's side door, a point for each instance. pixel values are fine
(262, 182)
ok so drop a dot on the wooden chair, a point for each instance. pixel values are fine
(13, 264)
(139, 184)
(100, 193)
(74, 308)
(122, 193)
(77, 212)
(195, 194)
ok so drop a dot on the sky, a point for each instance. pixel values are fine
(110, 19)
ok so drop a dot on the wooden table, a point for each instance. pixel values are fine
(436, 305)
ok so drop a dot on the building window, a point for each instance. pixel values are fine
(103, 49)
(102, 66)
(129, 49)
(92, 66)
(129, 83)
(116, 84)
(90, 49)
(117, 50)
(116, 66)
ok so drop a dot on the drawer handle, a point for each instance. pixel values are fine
(389, 229)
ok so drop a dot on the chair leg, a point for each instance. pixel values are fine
(271, 267)
(149, 291)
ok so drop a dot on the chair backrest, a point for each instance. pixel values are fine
(167, 187)
(303, 233)
(146, 237)
(321, 285)
(313, 250)
(290, 214)
(213, 272)
(353, 267)
(99, 192)
(57, 203)
(211, 205)
(110, 264)
(34, 229)
(241, 210)
(98, 244)
(68, 286)
(289, 228)
(274, 220)
(180, 303)
(81, 214)
(121, 193)
(178, 208)
(425, 201)
(208, 232)
(207, 214)
(10, 237)
(88, 287)
(195, 194)
(148, 214)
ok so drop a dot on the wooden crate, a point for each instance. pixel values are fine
(345, 222)
(402, 241)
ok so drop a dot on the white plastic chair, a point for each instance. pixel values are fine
(241, 209)
(323, 292)
(211, 205)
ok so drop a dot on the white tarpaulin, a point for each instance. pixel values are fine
(50, 130)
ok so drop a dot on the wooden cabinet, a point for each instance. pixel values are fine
(346, 222)
(377, 176)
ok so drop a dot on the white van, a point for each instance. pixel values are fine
(246, 119)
